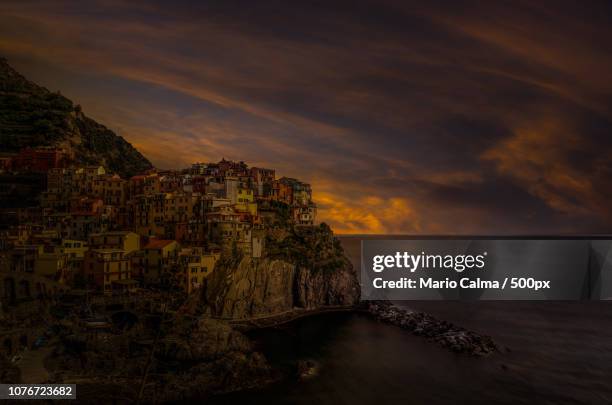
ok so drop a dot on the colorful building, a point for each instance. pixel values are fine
(38, 160)
(159, 257)
(196, 265)
(103, 267)
(122, 240)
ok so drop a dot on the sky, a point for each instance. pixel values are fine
(451, 117)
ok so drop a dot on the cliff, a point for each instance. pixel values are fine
(195, 357)
(301, 268)
(212, 358)
(32, 116)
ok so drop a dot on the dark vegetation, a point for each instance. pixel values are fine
(32, 116)
(315, 248)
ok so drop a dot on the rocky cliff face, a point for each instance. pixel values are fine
(213, 359)
(304, 269)
(32, 116)
(195, 357)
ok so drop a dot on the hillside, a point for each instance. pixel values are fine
(31, 115)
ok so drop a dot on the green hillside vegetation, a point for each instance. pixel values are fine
(32, 116)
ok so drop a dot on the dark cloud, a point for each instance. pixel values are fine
(444, 116)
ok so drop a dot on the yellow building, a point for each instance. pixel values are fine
(245, 195)
(159, 256)
(51, 264)
(74, 248)
(103, 267)
(122, 240)
(196, 266)
(248, 207)
(178, 207)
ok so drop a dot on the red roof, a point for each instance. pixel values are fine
(158, 243)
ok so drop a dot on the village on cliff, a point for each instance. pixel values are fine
(97, 234)
(94, 229)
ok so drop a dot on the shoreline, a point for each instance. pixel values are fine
(455, 338)
(270, 321)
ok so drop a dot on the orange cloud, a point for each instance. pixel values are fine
(351, 107)
(538, 158)
(368, 215)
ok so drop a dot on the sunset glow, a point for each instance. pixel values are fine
(405, 119)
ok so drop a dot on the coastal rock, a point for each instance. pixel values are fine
(208, 339)
(251, 288)
(314, 288)
(305, 269)
(212, 358)
(455, 338)
(232, 372)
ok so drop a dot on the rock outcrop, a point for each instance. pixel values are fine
(193, 357)
(455, 338)
(212, 358)
(251, 288)
(304, 268)
(207, 339)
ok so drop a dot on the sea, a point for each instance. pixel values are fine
(551, 353)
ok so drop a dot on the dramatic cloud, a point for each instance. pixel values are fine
(437, 117)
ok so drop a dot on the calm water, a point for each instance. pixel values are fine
(560, 352)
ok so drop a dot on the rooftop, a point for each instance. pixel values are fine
(158, 243)
(111, 233)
